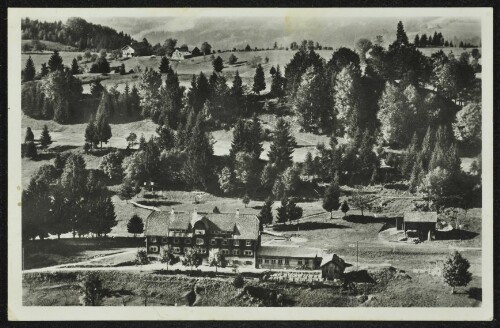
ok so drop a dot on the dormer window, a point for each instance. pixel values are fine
(199, 232)
(236, 243)
(249, 243)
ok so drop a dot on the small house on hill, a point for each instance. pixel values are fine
(128, 51)
(424, 223)
(180, 55)
(333, 267)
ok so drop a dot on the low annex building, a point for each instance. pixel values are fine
(236, 236)
(288, 257)
(180, 55)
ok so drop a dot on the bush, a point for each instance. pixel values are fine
(216, 210)
(91, 288)
(141, 257)
(238, 281)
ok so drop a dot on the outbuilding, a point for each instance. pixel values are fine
(288, 257)
(421, 223)
(333, 267)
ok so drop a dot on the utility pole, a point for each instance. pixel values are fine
(357, 256)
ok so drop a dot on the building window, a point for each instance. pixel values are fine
(306, 261)
(266, 261)
(236, 252)
(152, 239)
(273, 261)
(287, 261)
(248, 262)
(187, 241)
(199, 232)
(202, 251)
(213, 242)
(200, 241)
(224, 242)
(164, 240)
(153, 249)
(259, 260)
(176, 249)
(249, 243)
(176, 240)
(224, 251)
(299, 261)
(248, 253)
(236, 243)
(280, 261)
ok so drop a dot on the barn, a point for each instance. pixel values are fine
(422, 223)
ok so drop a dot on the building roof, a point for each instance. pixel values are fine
(241, 226)
(333, 258)
(289, 251)
(430, 217)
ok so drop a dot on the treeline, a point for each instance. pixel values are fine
(66, 197)
(75, 32)
(144, 48)
(437, 40)
(306, 45)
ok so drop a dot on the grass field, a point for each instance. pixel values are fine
(380, 287)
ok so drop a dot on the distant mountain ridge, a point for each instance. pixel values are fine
(228, 32)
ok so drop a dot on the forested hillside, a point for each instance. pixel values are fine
(75, 32)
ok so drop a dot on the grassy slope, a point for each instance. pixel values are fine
(400, 290)
(52, 45)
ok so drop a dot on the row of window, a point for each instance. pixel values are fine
(284, 261)
(177, 250)
(201, 241)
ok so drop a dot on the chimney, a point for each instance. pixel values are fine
(172, 211)
(237, 212)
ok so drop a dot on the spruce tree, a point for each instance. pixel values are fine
(401, 37)
(75, 69)
(277, 83)
(104, 111)
(218, 64)
(237, 92)
(90, 134)
(135, 225)
(456, 271)
(45, 138)
(29, 70)
(29, 136)
(44, 70)
(281, 216)
(272, 71)
(345, 208)
(282, 146)
(164, 65)
(266, 213)
(331, 200)
(56, 62)
(259, 82)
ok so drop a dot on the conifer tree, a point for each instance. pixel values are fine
(135, 225)
(282, 146)
(218, 64)
(45, 138)
(29, 136)
(29, 70)
(277, 84)
(456, 271)
(56, 62)
(266, 213)
(345, 208)
(272, 71)
(401, 37)
(164, 65)
(237, 92)
(259, 82)
(331, 200)
(44, 70)
(104, 111)
(75, 69)
(308, 168)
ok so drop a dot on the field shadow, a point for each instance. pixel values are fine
(476, 293)
(305, 226)
(396, 186)
(158, 202)
(258, 207)
(62, 148)
(368, 219)
(456, 234)
(361, 276)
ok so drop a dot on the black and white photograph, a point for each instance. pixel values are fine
(188, 163)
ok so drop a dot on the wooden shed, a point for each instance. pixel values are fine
(333, 267)
(424, 223)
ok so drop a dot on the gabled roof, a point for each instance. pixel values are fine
(289, 251)
(430, 217)
(242, 226)
(333, 258)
